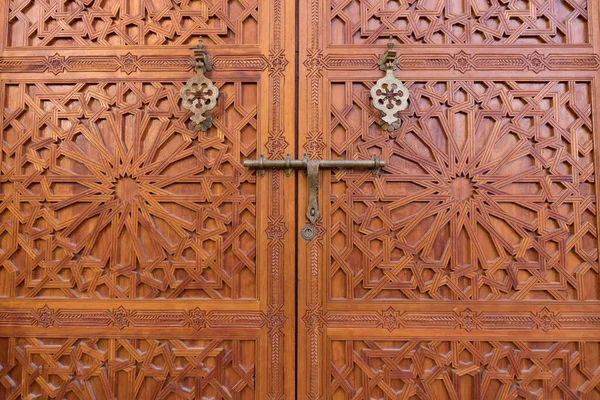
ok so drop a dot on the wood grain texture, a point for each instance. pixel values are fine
(468, 269)
(132, 257)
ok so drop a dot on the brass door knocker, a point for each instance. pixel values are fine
(199, 94)
(389, 94)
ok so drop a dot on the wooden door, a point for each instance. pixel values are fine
(468, 269)
(139, 259)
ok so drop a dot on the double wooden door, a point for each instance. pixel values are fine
(139, 259)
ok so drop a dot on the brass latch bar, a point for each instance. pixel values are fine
(312, 168)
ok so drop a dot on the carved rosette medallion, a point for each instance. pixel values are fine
(199, 94)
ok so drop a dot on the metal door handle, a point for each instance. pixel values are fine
(312, 168)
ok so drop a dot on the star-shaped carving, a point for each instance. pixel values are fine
(536, 62)
(314, 145)
(120, 317)
(197, 318)
(56, 64)
(276, 230)
(276, 146)
(468, 320)
(129, 63)
(546, 320)
(463, 62)
(277, 62)
(275, 319)
(44, 316)
(314, 317)
(314, 62)
(390, 319)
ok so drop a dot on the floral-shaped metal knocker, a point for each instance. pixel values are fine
(199, 94)
(389, 94)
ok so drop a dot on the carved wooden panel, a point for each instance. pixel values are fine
(460, 22)
(43, 23)
(450, 369)
(489, 194)
(139, 259)
(468, 268)
(118, 198)
(127, 368)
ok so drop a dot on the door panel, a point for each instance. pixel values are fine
(468, 269)
(130, 264)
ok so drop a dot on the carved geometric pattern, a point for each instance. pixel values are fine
(91, 205)
(467, 320)
(459, 21)
(102, 368)
(127, 63)
(464, 62)
(488, 193)
(461, 61)
(122, 318)
(46, 23)
(445, 370)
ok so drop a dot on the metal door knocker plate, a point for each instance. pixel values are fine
(389, 94)
(199, 94)
(312, 169)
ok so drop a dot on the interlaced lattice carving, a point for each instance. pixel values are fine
(488, 193)
(465, 370)
(459, 21)
(91, 205)
(131, 23)
(127, 368)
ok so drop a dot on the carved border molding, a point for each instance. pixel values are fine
(122, 317)
(276, 145)
(464, 62)
(127, 63)
(392, 319)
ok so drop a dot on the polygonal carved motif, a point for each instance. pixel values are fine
(488, 193)
(45, 23)
(125, 368)
(44, 317)
(465, 370)
(107, 192)
(460, 21)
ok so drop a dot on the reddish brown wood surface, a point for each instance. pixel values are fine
(133, 250)
(140, 260)
(468, 269)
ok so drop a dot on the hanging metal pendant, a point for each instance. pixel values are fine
(389, 94)
(199, 94)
